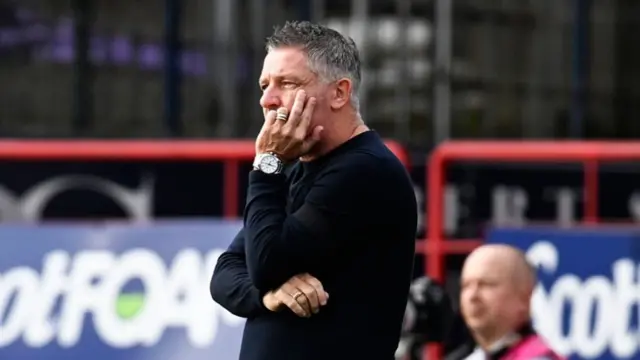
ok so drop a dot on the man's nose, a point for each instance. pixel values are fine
(270, 99)
(472, 291)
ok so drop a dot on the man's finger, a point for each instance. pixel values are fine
(296, 296)
(270, 118)
(296, 110)
(289, 302)
(307, 114)
(322, 294)
(302, 298)
(310, 293)
(266, 125)
(312, 139)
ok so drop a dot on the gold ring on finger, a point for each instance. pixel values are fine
(297, 295)
(282, 116)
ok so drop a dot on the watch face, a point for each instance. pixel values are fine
(269, 164)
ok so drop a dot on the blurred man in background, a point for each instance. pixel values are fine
(497, 286)
(339, 221)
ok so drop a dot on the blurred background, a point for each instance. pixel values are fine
(159, 91)
(433, 69)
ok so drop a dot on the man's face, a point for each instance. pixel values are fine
(489, 299)
(284, 73)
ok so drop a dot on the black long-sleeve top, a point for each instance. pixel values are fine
(349, 219)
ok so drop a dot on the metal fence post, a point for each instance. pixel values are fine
(442, 66)
(172, 71)
(580, 66)
(258, 17)
(224, 67)
(83, 70)
(403, 85)
(360, 16)
(317, 10)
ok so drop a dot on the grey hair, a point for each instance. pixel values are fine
(331, 55)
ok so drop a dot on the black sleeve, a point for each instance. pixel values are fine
(279, 246)
(230, 284)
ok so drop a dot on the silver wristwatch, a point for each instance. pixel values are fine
(268, 163)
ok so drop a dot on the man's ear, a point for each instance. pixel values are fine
(341, 94)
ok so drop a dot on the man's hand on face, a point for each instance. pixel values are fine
(303, 294)
(290, 138)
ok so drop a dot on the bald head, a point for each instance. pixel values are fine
(504, 258)
(497, 285)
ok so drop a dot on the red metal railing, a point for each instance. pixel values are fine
(230, 152)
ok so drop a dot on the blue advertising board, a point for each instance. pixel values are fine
(114, 292)
(587, 298)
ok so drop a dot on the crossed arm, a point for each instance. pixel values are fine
(232, 288)
(274, 247)
(279, 245)
(230, 284)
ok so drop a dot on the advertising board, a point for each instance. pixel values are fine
(586, 303)
(114, 292)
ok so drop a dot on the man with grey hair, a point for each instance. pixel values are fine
(330, 210)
